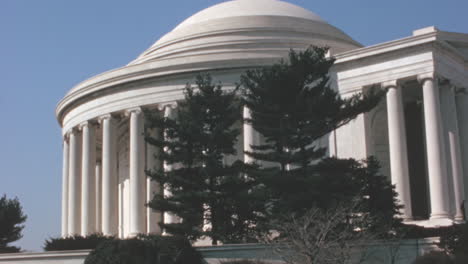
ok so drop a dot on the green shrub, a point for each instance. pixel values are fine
(455, 241)
(75, 242)
(9, 249)
(145, 250)
(434, 257)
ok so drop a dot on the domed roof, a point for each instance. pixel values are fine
(238, 8)
(227, 38)
(247, 25)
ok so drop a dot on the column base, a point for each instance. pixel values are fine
(407, 219)
(440, 221)
(132, 235)
(459, 220)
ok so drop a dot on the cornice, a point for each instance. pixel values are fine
(385, 47)
(128, 74)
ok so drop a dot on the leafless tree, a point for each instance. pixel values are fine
(323, 236)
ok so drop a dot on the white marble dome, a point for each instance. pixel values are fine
(258, 29)
(231, 36)
(242, 8)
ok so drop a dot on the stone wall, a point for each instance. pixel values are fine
(404, 251)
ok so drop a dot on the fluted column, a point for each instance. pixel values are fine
(109, 176)
(251, 137)
(462, 111)
(98, 203)
(170, 113)
(153, 217)
(454, 152)
(88, 183)
(137, 173)
(398, 146)
(437, 167)
(65, 172)
(74, 188)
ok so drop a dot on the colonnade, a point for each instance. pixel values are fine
(444, 156)
(90, 179)
(90, 184)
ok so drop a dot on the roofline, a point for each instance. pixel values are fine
(420, 36)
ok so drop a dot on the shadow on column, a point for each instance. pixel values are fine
(417, 160)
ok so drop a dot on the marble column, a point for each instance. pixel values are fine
(109, 176)
(251, 137)
(462, 111)
(454, 152)
(88, 183)
(65, 172)
(437, 167)
(153, 217)
(137, 173)
(398, 147)
(74, 187)
(170, 113)
(98, 174)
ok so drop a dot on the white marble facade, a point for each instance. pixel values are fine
(419, 132)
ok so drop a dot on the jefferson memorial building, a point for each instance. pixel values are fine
(419, 132)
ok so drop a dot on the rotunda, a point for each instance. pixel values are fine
(104, 154)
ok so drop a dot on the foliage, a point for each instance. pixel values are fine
(293, 106)
(145, 249)
(434, 257)
(322, 236)
(334, 181)
(75, 242)
(212, 196)
(11, 223)
(455, 240)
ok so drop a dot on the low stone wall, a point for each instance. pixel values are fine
(51, 257)
(403, 252)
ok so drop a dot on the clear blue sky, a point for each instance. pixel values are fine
(48, 46)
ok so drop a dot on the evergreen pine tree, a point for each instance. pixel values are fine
(11, 220)
(293, 106)
(210, 196)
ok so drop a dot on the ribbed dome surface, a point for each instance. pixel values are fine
(246, 26)
(238, 8)
(223, 40)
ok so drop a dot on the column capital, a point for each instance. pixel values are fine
(172, 105)
(433, 76)
(88, 123)
(391, 84)
(66, 136)
(460, 90)
(105, 117)
(72, 130)
(136, 110)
